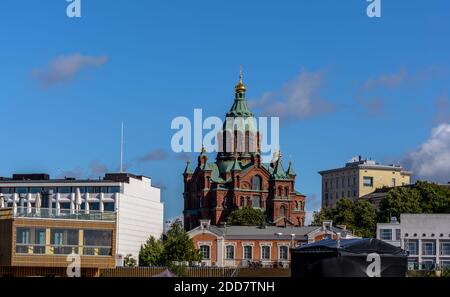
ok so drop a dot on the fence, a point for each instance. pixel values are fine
(152, 271)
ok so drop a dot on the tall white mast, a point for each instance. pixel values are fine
(121, 149)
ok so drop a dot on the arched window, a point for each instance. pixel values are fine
(204, 251)
(280, 191)
(238, 181)
(282, 211)
(249, 203)
(286, 192)
(257, 182)
(297, 205)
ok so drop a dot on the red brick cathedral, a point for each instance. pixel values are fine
(238, 178)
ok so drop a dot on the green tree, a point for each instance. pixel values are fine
(360, 217)
(178, 246)
(247, 216)
(151, 253)
(365, 219)
(324, 214)
(400, 200)
(129, 261)
(433, 198)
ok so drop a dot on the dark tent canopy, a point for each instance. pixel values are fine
(348, 257)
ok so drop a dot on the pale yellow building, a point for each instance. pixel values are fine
(360, 177)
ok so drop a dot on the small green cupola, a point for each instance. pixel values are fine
(291, 171)
(278, 170)
(240, 106)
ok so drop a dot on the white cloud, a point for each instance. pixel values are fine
(64, 68)
(431, 161)
(297, 99)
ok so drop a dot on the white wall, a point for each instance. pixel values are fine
(140, 215)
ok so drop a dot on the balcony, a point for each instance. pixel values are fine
(52, 213)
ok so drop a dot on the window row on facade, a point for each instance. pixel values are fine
(61, 241)
(247, 253)
(62, 190)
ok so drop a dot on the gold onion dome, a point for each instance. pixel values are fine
(240, 87)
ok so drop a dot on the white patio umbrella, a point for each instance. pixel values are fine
(78, 200)
(86, 206)
(38, 201)
(2, 201)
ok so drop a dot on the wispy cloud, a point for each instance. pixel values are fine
(297, 99)
(442, 110)
(374, 104)
(153, 155)
(64, 68)
(430, 161)
(97, 168)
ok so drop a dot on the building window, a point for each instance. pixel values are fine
(21, 190)
(286, 192)
(397, 234)
(412, 248)
(348, 181)
(256, 182)
(331, 181)
(428, 248)
(337, 183)
(337, 195)
(248, 252)
(283, 252)
(113, 190)
(282, 211)
(368, 181)
(241, 201)
(326, 185)
(348, 194)
(386, 234)
(64, 190)
(204, 251)
(393, 182)
(326, 196)
(265, 252)
(229, 252)
(64, 241)
(249, 203)
(343, 182)
(445, 248)
(257, 201)
(297, 206)
(108, 206)
(97, 242)
(280, 191)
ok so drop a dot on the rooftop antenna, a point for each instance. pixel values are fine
(121, 149)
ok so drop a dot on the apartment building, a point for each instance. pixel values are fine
(360, 177)
(132, 199)
(426, 237)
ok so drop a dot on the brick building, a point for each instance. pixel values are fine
(264, 246)
(238, 177)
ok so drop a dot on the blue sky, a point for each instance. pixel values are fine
(372, 87)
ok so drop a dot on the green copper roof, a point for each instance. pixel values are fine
(236, 165)
(291, 169)
(278, 170)
(239, 107)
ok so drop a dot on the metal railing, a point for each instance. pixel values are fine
(66, 214)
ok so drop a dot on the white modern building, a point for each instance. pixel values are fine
(426, 237)
(137, 204)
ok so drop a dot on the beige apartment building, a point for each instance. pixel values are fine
(360, 177)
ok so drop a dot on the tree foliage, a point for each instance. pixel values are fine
(175, 246)
(129, 261)
(151, 253)
(247, 216)
(359, 217)
(422, 197)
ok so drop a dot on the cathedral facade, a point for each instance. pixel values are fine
(238, 178)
